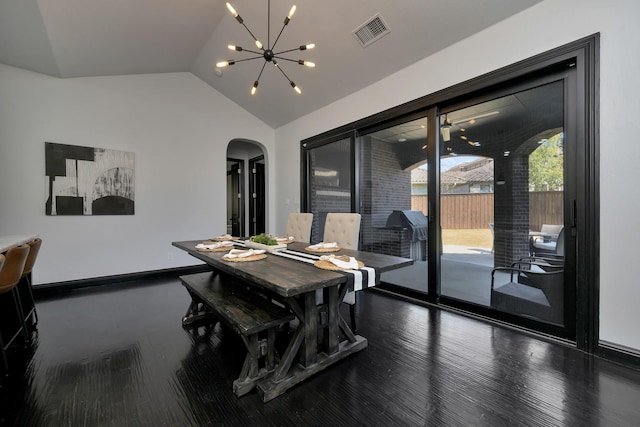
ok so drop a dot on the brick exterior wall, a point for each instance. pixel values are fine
(384, 187)
(333, 195)
(511, 209)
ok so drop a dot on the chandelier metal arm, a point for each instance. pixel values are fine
(278, 38)
(261, 70)
(251, 51)
(288, 50)
(297, 61)
(282, 71)
(248, 59)
(254, 37)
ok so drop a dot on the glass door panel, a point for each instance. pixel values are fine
(393, 199)
(501, 202)
(330, 173)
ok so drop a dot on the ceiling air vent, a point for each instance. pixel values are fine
(372, 30)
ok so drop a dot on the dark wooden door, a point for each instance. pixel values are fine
(257, 200)
(235, 199)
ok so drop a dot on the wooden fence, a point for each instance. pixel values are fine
(475, 210)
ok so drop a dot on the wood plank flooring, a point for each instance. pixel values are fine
(118, 356)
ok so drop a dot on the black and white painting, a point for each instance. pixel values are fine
(88, 180)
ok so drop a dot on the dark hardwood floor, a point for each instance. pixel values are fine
(118, 356)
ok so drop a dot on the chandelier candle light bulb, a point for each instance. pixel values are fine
(225, 63)
(232, 10)
(291, 12)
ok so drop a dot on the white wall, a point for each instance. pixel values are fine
(177, 126)
(545, 26)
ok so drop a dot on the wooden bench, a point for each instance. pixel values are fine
(215, 296)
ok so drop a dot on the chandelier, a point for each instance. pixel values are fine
(268, 54)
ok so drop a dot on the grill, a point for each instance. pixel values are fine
(417, 224)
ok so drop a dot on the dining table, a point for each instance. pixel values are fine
(321, 336)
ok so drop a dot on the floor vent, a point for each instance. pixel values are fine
(372, 30)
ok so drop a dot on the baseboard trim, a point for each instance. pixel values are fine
(620, 354)
(50, 289)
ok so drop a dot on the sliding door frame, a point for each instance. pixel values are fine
(583, 54)
(565, 73)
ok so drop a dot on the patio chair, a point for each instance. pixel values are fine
(544, 263)
(534, 294)
(539, 247)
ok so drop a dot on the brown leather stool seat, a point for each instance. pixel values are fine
(24, 286)
(11, 318)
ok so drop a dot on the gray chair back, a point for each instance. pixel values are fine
(343, 228)
(299, 226)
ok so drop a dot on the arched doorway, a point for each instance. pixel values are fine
(246, 188)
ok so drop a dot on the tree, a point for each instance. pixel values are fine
(546, 165)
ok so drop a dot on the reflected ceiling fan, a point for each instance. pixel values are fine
(447, 123)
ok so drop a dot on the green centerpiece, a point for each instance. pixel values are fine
(266, 242)
(265, 239)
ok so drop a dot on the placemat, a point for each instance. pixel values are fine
(218, 249)
(223, 238)
(285, 242)
(245, 259)
(325, 250)
(328, 265)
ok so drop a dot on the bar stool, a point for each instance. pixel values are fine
(24, 286)
(10, 274)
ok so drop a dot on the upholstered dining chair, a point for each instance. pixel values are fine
(344, 229)
(10, 273)
(299, 226)
(24, 286)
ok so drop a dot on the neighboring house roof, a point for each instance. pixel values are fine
(419, 176)
(480, 170)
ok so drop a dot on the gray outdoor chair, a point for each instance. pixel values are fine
(543, 248)
(530, 293)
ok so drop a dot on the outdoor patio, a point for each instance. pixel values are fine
(466, 274)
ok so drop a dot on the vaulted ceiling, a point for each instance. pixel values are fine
(83, 38)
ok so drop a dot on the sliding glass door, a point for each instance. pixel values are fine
(501, 201)
(393, 197)
(330, 181)
(487, 186)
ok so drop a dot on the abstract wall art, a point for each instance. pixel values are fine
(88, 180)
